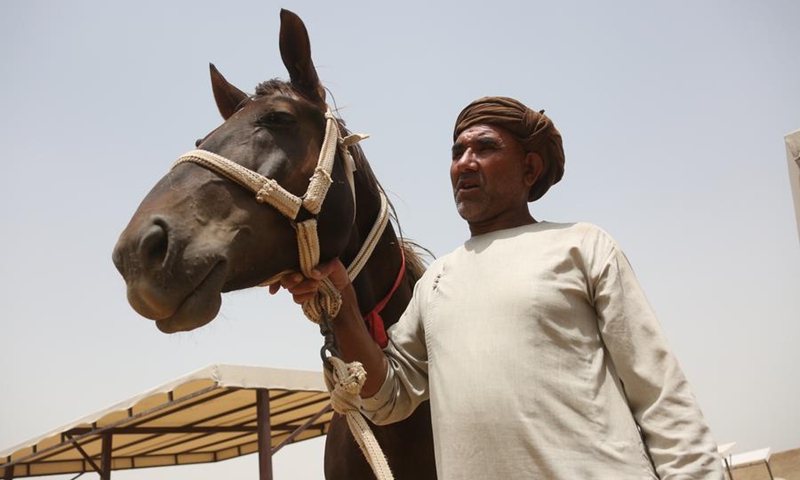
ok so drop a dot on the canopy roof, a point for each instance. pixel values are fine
(206, 416)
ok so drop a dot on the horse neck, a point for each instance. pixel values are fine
(375, 281)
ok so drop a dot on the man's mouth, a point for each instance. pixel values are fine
(466, 185)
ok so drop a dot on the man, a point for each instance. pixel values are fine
(533, 341)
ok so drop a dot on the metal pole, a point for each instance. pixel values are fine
(105, 462)
(728, 467)
(264, 435)
(766, 462)
(302, 428)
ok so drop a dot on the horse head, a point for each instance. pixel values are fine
(198, 234)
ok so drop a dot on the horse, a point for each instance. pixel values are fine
(198, 234)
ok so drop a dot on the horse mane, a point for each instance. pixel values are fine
(274, 85)
(415, 253)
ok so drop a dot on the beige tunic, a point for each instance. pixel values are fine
(540, 355)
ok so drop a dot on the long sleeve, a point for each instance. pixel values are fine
(661, 401)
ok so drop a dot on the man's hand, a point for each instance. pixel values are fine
(304, 289)
(352, 337)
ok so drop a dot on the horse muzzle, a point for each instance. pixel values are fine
(171, 280)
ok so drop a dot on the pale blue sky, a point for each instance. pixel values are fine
(673, 116)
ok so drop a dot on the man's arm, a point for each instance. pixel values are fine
(352, 338)
(658, 393)
(397, 377)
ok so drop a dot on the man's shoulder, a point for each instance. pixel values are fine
(578, 233)
(586, 239)
(574, 228)
(565, 235)
(434, 267)
(578, 229)
(589, 235)
(573, 233)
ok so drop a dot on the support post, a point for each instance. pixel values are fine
(728, 467)
(105, 460)
(769, 470)
(8, 474)
(264, 435)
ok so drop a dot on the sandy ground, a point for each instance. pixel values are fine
(785, 465)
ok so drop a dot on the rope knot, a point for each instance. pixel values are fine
(344, 382)
(322, 175)
(272, 193)
(266, 191)
(355, 378)
(318, 186)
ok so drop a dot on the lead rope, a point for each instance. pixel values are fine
(344, 380)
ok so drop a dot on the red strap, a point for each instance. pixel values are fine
(373, 318)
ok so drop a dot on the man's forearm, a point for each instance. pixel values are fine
(355, 343)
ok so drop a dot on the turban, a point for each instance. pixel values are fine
(533, 129)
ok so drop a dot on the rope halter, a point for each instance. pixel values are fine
(267, 190)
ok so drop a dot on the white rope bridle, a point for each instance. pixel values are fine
(344, 380)
(268, 191)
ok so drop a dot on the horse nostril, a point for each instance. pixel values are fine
(154, 244)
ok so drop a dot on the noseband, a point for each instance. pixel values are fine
(267, 190)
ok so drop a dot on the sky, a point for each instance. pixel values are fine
(673, 116)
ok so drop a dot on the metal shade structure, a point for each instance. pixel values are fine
(213, 414)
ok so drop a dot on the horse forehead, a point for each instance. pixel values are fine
(278, 155)
(287, 100)
(242, 122)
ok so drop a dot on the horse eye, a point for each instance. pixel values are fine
(277, 119)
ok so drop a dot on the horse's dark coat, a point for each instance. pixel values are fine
(196, 234)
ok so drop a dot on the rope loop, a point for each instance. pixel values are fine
(327, 302)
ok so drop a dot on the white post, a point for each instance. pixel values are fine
(793, 157)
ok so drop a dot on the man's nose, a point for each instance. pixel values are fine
(467, 161)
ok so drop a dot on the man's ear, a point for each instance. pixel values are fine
(534, 167)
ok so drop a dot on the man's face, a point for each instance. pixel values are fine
(491, 175)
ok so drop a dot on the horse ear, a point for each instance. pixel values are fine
(228, 97)
(296, 55)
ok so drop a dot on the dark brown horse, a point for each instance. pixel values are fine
(197, 234)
